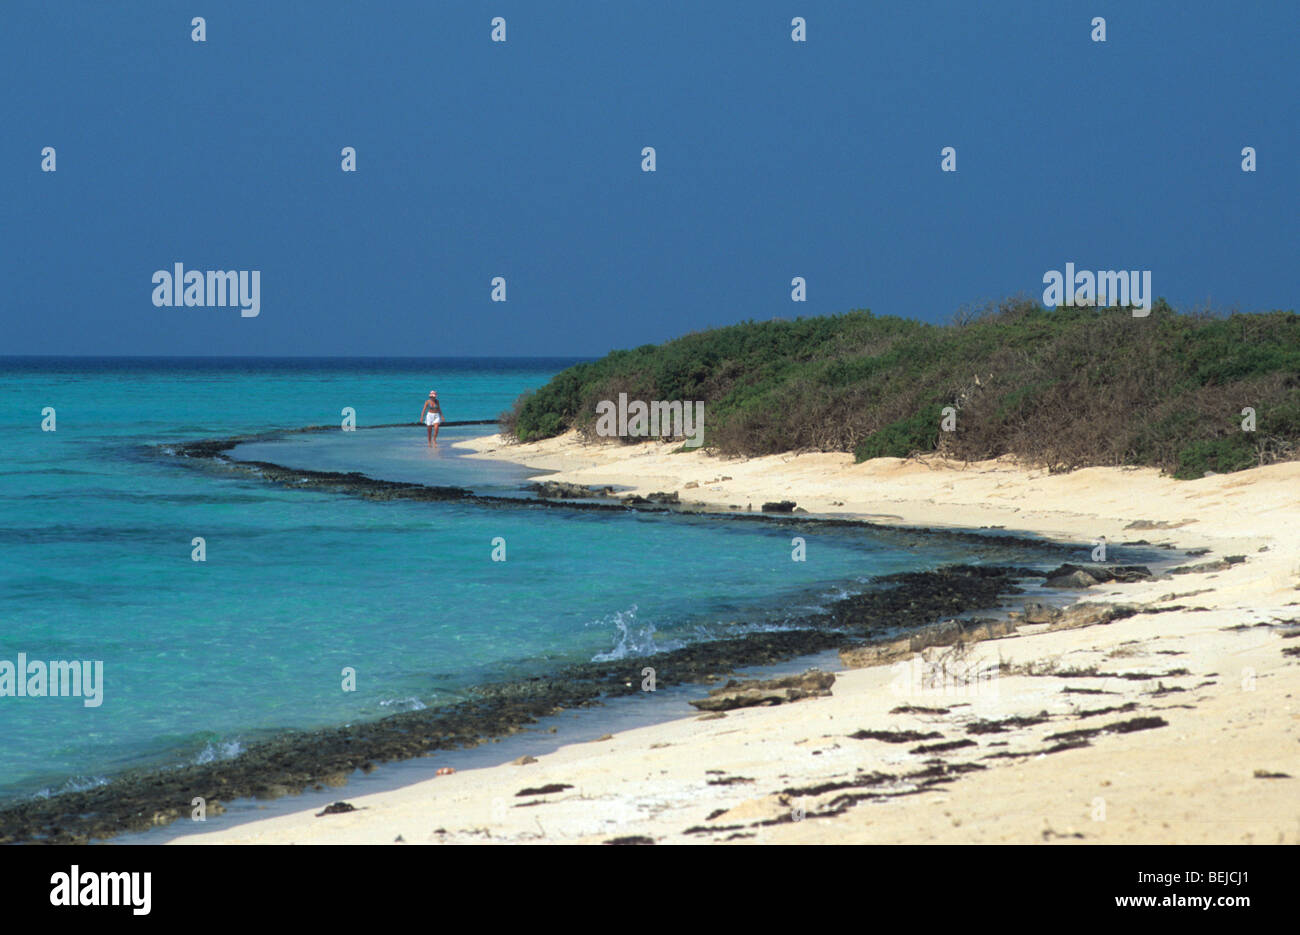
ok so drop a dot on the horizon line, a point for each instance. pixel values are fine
(297, 357)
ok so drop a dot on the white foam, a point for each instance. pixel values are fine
(225, 750)
(633, 640)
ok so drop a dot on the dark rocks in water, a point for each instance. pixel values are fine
(338, 808)
(752, 693)
(559, 490)
(1075, 579)
(783, 506)
(350, 482)
(1085, 576)
(208, 448)
(545, 790)
(631, 839)
(552, 488)
(658, 496)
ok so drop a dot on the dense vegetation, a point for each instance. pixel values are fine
(1063, 388)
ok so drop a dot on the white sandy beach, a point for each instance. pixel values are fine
(1225, 768)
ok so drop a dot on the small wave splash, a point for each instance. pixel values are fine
(633, 640)
(222, 750)
(75, 784)
(403, 704)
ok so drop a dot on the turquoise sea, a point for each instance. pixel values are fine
(200, 658)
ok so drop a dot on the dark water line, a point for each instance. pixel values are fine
(355, 483)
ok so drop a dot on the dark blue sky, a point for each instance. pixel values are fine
(775, 159)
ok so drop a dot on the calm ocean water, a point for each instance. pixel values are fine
(202, 658)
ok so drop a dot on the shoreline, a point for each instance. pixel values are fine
(296, 761)
(641, 470)
(1175, 722)
(549, 733)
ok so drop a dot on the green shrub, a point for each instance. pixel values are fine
(901, 439)
(1063, 388)
(1232, 453)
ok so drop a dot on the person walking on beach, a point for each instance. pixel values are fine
(431, 415)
